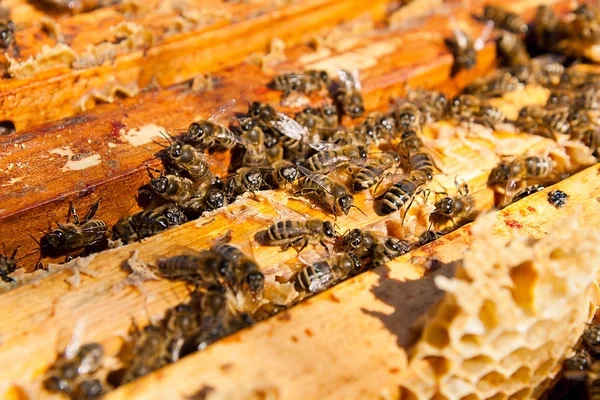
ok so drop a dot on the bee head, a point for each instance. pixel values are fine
(90, 389)
(329, 230)
(255, 281)
(197, 130)
(247, 124)
(362, 151)
(56, 238)
(353, 238)
(289, 173)
(345, 203)
(253, 180)
(214, 199)
(7, 36)
(324, 77)
(175, 216)
(160, 184)
(57, 384)
(174, 150)
(444, 206)
(329, 110)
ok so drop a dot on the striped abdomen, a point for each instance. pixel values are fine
(315, 278)
(324, 161)
(180, 267)
(400, 193)
(422, 162)
(389, 249)
(285, 232)
(368, 176)
(538, 167)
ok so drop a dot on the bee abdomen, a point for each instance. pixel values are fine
(315, 278)
(394, 199)
(366, 177)
(422, 162)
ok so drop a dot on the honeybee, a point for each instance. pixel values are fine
(585, 24)
(527, 191)
(328, 192)
(402, 191)
(67, 372)
(589, 135)
(214, 199)
(180, 323)
(209, 133)
(253, 141)
(580, 361)
(368, 244)
(458, 207)
(375, 170)
(180, 190)
(148, 352)
(8, 265)
(464, 106)
(418, 158)
(463, 50)
(545, 27)
(523, 168)
(360, 242)
(290, 233)
(305, 82)
(147, 223)
(273, 148)
(319, 276)
(429, 236)
(495, 85)
(349, 96)
(431, 104)
(89, 233)
(591, 339)
(330, 157)
(283, 172)
(388, 249)
(267, 118)
(244, 180)
(204, 267)
(375, 127)
(504, 19)
(185, 157)
(7, 31)
(247, 272)
(408, 117)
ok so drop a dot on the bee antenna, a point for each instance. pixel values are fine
(361, 211)
(166, 136)
(245, 99)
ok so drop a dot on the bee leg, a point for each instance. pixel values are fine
(324, 245)
(304, 242)
(412, 198)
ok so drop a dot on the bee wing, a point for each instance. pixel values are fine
(213, 163)
(289, 127)
(321, 146)
(74, 344)
(223, 111)
(350, 80)
(356, 81)
(484, 36)
(310, 175)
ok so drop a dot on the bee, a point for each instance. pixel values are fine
(317, 277)
(245, 180)
(461, 206)
(148, 352)
(205, 267)
(374, 171)
(580, 361)
(464, 106)
(368, 244)
(68, 237)
(431, 104)
(248, 275)
(375, 128)
(283, 172)
(388, 249)
(147, 223)
(214, 199)
(180, 190)
(68, 369)
(360, 242)
(532, 167)
(290, 233)
(527, 191)
(268, 119)
(589, 135)
(348, 95)
(7, 31)
(463, 50)
(402, 191)
(408, 117)
(330, 157)
(210, 133)
(418, 158)
(359, 136)
(504, 19)
(495, 85)
(305, 82)
(429, 236)
(253, 141)
(273, 148)
(585, 24)
(89, 389)
(185, 157)
(8, 265)
(545, 27)
(180, 323)
(329, 193)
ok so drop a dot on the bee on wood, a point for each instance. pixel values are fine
(504, 19)
(319, 276)
(402, 191)
(429, 236)
(368, 244)
(458, 207)
(204, 267)
(329, 157)
(521, 169)
(180, 323)
(244, 180)
(527, 191)
(329, 193)
(418, 158)
(290, 233)
(7, 31)
(375, 170)
(214, 199)
(388, 249)
(408, 117)
(248, 276)
(209, 133)
(185, 157)
(86, 234)
(268, 119)
(283, 172)
(148, 352)
(349, 94)
(69, 372)
(306, 82)
(8, 265)
(147, 223)
(180, 190)
(360, 242)
(463, 49)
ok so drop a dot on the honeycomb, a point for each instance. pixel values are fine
(509, 316)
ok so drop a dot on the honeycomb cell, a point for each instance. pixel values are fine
(440, 365)
(407, 394)
(474, 366)
(448, 312)
(544, 369)
(490, 382)
(436, 335)
(521, 375)
(488, 316)
(524, 277)
(521, 394)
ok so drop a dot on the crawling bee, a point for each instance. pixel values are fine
(431, 104)
(210, 133)
(463, 50)
(244, 180)
(305, 82)
(317, 277)
(291, 233)
(580, 361)
(418, 158)
(388, 249)
(147, 223)
(205, 267)
(185, 157)
(148, 352)
(283, 172)
(329, 193)
(504, 19)
(253, 141)
(527, 191)
(464, 107)
(67, 372)
(360, 242)
(374, 128)
(591, 339)
(8, 265)
(545, 27)
(88, 233)
(374, 171)
(523, 168)
(402, 191)
(429, 236)
(247, 272)
(268, 119)
(458, 207)
(497, 84)
(408, 117)
(7, 31)
(214, 199)
(180, 190)
(349, 96)
(180, 323)
(330, 157)
(589, 135)
(368, 244)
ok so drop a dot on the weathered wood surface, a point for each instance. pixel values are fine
(38, 182)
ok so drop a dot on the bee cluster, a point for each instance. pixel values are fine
(313, 154)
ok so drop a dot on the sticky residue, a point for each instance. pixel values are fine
(143, 135)
(362, 58)
(12, 181)
(83, 163)
(62, 151)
